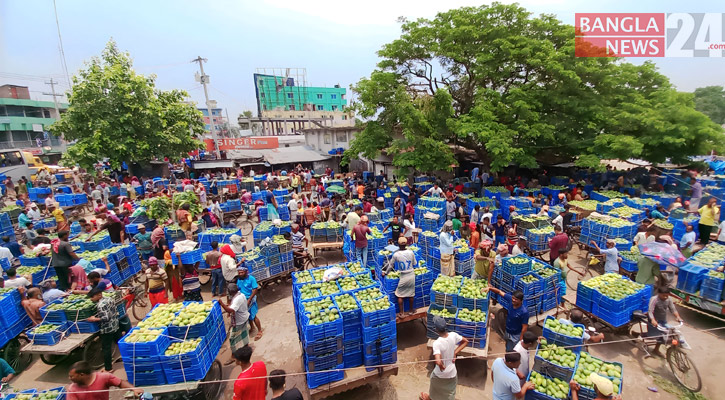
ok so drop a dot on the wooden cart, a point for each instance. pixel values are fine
(88, 343)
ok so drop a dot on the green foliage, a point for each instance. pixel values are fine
(506, 85)
(117, 114)
(181, 198)
(710, 100)
(157, 208)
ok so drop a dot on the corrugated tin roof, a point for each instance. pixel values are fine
(292, 154)
(282, 155)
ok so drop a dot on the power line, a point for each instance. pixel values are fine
(60, 42)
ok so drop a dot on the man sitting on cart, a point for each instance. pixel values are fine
(404, 262)
(577, 317)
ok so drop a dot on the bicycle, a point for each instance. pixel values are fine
(680, 363)
(136, 299)
(245, 221)
(582, 273)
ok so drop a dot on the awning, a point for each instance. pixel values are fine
(295, 154)
(204, 164)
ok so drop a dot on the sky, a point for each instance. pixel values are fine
(335, 41)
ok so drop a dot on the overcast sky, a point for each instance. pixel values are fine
(335, 41)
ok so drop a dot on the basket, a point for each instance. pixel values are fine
(516, 269)
(152, 348)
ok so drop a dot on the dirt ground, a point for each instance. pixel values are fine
(280, 349)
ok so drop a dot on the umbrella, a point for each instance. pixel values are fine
(335, 189)
(662, 253)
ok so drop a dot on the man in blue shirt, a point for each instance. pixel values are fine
(517, 319)
(506, 384)
(14, 247)
(250, 288)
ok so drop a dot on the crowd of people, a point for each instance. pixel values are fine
(167, 280)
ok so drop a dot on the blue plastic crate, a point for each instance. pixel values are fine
(690, 278)
(378, 317)
(378, 332)
(545, 367)
(152, 348)
(612, 305)
(53, 316)
(573, 343)
(380, 346)
(12, 396)
(352, 358)
(615, 319)
(319, 378)
(85, 327)
(313, 333)
(320, 347)
(60, 389)
(50, 338)
(372, 361)
(212, 321)
(320, 363)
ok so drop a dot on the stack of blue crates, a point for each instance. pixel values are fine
(6, 226)
(13, 317)
(575, 344)
(38, 194)
(266, 230)
(712, 287)
(614, 312)
(475, 332)
(354, 339)
(147, 364)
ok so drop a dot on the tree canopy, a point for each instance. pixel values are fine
(710, 100)
(118, 114)
(505, 84)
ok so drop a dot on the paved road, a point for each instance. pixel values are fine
(279, 348)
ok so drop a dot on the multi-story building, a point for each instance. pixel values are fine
(24, 122)
(220, 122)
(286, 105)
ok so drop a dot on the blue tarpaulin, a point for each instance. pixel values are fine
(718, 167)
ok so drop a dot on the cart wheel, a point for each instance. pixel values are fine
(93, 353)
(11, 353)
(54, 359)
(501, 316)
(246, 227)
(204, 277)
(271, 292)
(212, 390)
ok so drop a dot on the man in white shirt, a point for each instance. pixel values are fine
(721, 233)
(528, 341)
(292, 206)
(34, 213)
(409, 225)
(6, 254)
(435, 191)
(475, 214)
(15, 281)
(238, 308)
(444, 378)
(486, 213)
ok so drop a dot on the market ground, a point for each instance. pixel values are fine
(280, 349)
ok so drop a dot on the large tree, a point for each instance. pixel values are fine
(506, 85)
(118, 114)
(710, 100)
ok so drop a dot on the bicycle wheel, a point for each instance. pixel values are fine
(684, 369)
(246, 227)
(575, 275)
(272, 291)
(309, 262)
(141, 306)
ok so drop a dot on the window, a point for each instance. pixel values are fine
(341, 137)
(333, 96)
(334, 108)
(342, 96)
(11, 158)
(328, 138)
(264, 107)
(320, 108)
(319, 96)
(290, 95)
(46, 114)
(261, 95)
(292, 107)
(261, 82)
(344, 117)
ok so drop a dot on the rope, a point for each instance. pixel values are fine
(399, 364)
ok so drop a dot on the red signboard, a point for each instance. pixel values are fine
(36, 151)
(246, 143)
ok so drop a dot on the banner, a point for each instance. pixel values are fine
(246, 143)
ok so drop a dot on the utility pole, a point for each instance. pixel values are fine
(52, 84)
(204, 79)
